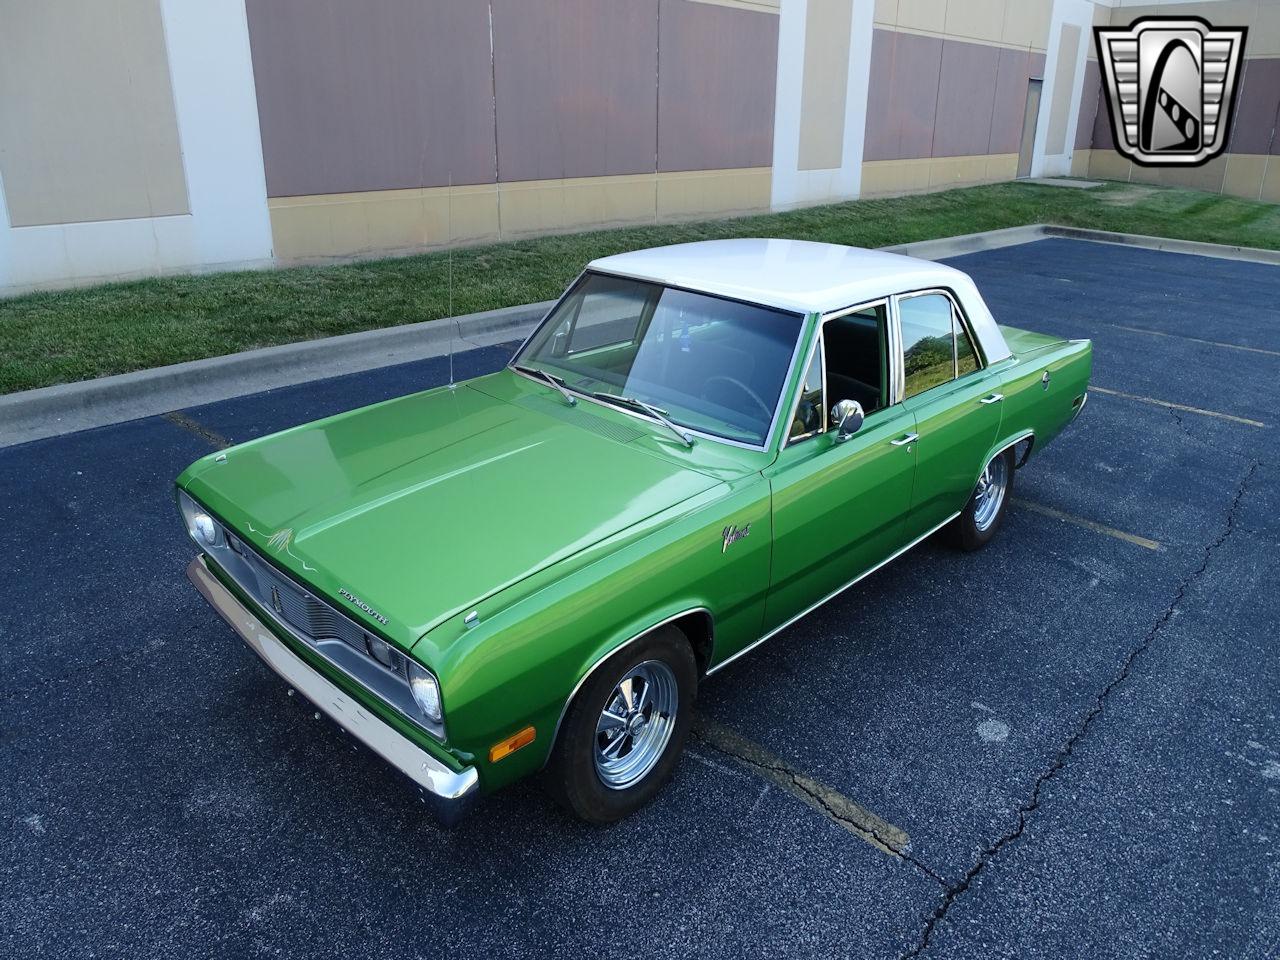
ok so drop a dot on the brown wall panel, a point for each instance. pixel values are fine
(716, 74)
(966, 95)
(576, 87)
(1010, 100)
(903, 95)
(1090, 104)
(379, 95)
(1257, 103)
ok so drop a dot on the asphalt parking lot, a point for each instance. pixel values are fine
(1076, 728)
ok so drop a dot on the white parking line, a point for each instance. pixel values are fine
(1177, 406)
(1208, 343)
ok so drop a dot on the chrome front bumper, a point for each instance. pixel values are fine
(449, 792)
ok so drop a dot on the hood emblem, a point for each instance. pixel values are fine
(732, 534)
(280, 541)
(348, 595)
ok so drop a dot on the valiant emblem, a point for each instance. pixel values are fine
(1170, 84)
(732, 534)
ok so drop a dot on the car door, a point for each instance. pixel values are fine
(955, 401)
(839, 506)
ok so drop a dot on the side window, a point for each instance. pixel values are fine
(855, 353)
(810, 415)
(928, 344)
(966, 356)
(935, 345)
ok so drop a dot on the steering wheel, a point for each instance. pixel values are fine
(734, 381)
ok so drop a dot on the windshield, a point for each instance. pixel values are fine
(709, 364)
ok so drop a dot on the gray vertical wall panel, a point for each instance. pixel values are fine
(1257, 101)
(576, 87)
(716, 77)
(379, 95)
(966, 96)
(1090, 104)
(903, 96)
(1010, 104)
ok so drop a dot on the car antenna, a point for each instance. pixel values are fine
(449, 240)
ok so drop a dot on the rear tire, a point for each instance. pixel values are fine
(981, 518)
(622, 736)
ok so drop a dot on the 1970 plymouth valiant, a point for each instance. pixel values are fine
(533, 570)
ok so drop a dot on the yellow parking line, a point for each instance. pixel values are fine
(1089, 524)
(835, 806)
(1209, 343)
(1177, 406)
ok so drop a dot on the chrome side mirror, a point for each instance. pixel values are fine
(847, 416)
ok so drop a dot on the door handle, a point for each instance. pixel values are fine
(903, 441)
(994, 398)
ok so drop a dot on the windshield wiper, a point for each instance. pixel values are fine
(659, 415)
(549, 378)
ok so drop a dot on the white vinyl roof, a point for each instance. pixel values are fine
(801, 275)
(792, 274)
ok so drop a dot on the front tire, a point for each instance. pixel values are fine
(624, 732)
(981, 518)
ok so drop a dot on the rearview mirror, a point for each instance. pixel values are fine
(847, 416)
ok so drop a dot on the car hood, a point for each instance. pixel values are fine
(421, 507)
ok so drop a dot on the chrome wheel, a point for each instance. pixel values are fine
(636, 724)
(989, 497)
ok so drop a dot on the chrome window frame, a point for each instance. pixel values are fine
(958, 316)
(820, 343)
(771, 434)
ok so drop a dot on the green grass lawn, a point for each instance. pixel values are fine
(49, 338)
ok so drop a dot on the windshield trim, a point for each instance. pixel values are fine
(770, 435)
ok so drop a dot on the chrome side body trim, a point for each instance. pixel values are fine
(449, 791)
(839, 590)
(555, 734)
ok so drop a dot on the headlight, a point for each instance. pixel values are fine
(426, 691)
(203, 529)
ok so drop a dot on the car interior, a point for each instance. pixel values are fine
(856, 368)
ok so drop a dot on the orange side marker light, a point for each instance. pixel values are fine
(505, 748)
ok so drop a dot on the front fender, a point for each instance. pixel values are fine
(521, 662)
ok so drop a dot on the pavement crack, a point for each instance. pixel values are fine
(958, 889)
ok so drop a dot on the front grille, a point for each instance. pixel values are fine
(310, 616)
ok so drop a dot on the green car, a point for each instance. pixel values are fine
(533, 571)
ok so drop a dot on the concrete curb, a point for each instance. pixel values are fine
(66, 408)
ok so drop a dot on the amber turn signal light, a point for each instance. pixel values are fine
(510, 745)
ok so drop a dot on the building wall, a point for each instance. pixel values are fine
(147, 136)
(129, 141)
(1248, 167)
(463, 122)
(948, 91)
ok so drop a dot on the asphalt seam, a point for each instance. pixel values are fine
(799, 783)
(956, 890)
(180, 419)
